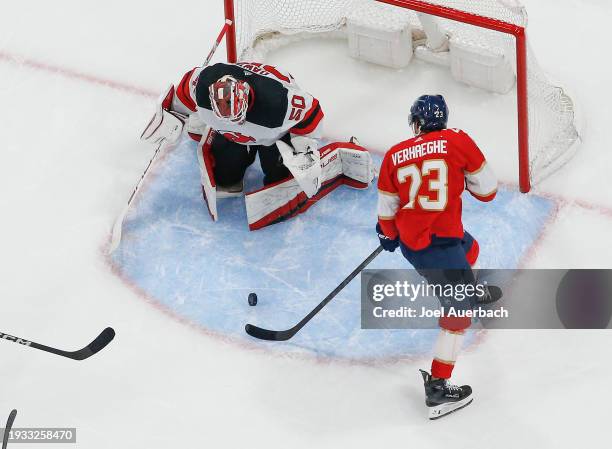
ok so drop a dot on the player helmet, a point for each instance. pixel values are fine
(429, 113)
(229, 99)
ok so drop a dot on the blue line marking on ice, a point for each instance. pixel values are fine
(204, 271)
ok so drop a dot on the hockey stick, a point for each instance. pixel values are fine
(266, 334)
(100, 342)
(8, 427)
(118, 225)
(228, 23)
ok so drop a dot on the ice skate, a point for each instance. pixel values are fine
(232, 191)
(443, 398)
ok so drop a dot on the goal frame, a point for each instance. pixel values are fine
(456, 15)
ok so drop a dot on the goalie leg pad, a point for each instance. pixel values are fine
(357, 165)
(207, 177)
(349, 160)
(285, 199)
(281, 201)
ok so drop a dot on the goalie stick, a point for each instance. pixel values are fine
(118, 225)
(271, 335)
(100, 342)
(8, 427)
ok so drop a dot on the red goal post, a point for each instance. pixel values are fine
(467, 18)
(521, 68)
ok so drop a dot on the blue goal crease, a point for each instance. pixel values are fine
(204, 271)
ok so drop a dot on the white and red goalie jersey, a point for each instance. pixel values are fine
(277, 105)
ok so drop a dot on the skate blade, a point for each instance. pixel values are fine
(442, 410)
(233, 191)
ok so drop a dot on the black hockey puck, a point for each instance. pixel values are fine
(252, 299)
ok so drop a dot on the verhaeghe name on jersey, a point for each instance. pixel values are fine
(419, 151)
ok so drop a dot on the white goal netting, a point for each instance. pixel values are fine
(553, 137)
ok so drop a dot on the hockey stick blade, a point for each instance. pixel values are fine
(8, 427)
(271, 335)
(99, 343)
(266, 334)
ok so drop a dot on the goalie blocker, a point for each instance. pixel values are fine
(341, 163)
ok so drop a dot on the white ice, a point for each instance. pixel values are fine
(77, 83)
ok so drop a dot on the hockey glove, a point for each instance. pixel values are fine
(387, 243)
(165, 125)
(304, 163)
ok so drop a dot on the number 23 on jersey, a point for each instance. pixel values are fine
(436, 197)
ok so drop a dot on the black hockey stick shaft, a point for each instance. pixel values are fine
(99, 343)
(8, 427)
(271, 335)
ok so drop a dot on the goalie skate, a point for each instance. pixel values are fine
(443, 398)
(233, 191)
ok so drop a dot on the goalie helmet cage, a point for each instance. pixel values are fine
(547, 135)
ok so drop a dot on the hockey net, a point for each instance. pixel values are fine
(552, 132)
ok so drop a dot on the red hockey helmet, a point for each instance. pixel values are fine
(229, 99)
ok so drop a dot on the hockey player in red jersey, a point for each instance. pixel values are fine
(419, 210)
(238, 111)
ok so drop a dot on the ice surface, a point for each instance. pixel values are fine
(70, 157)
(204, 271)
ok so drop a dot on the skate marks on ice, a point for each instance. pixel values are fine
(203, 271)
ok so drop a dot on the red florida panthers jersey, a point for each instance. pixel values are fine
(420, 185)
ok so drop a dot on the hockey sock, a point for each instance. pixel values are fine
(446, 352)
(473, 253)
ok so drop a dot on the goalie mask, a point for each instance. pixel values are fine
(229, 99)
